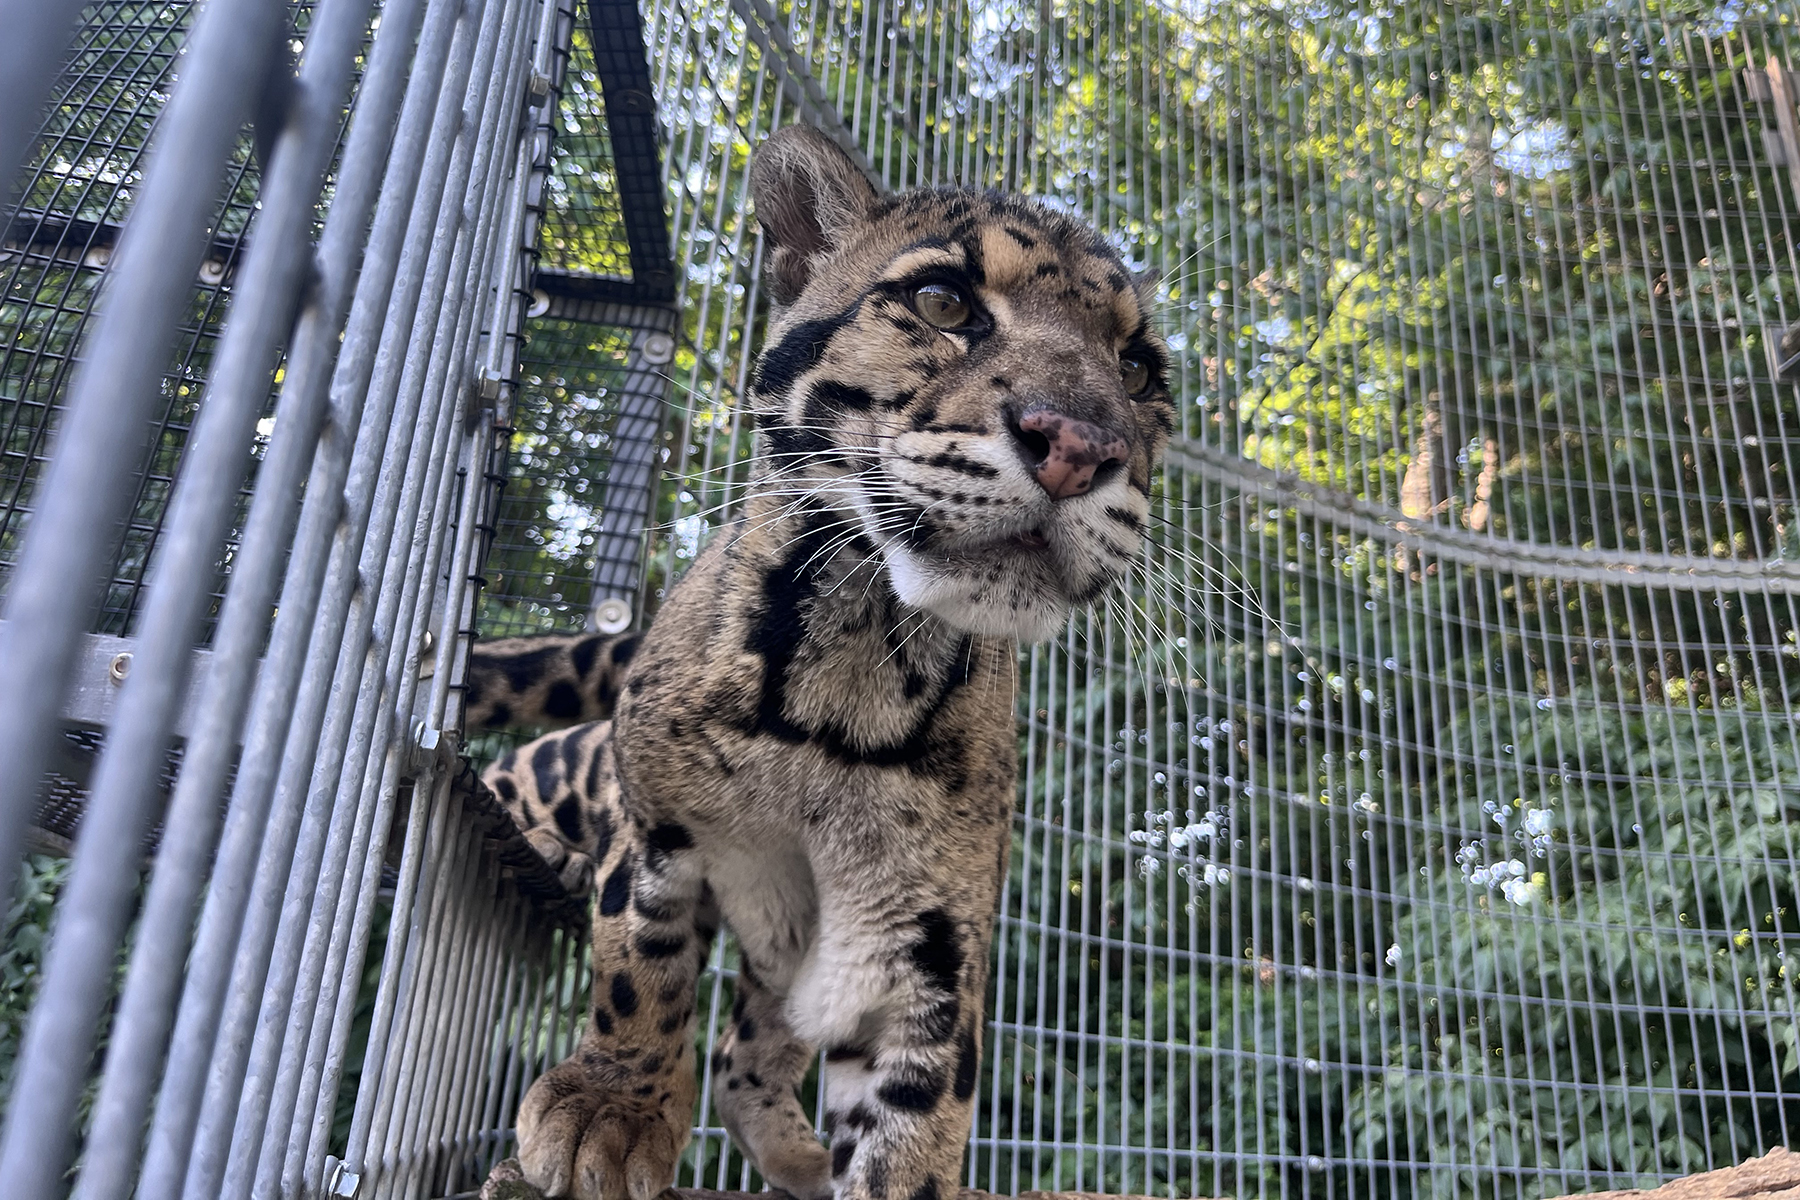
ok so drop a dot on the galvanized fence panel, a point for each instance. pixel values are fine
(343, 964)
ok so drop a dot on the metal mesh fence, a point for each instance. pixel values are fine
(1418, 822)
(78, 186)
(1421, 820)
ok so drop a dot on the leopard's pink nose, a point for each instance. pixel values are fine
(1065, 454)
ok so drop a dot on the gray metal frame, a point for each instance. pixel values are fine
(308, 734)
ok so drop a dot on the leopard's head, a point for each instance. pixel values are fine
(968, 378)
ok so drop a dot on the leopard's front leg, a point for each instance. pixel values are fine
(611, 1121)
(894, 990)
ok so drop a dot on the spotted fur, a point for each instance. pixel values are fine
(814, 742)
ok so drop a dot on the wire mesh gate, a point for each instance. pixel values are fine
(1421, 821)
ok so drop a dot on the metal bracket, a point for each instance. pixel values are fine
(1784, 355)
(1779, 88)
(340, 1180)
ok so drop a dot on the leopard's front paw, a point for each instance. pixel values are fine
(584, 1136)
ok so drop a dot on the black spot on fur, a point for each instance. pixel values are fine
(624, 649)
(845, 1053)
(506, 789)
(968, 1058)
(498, 717)
(645, 899)
(732, 1085)
(753, 1079)
(562, 701)
(746, 1030)
(669, 836)
(1128, 519)
(859, 1117)
(583, 653)
(917, 1093)
(737, 1007)
(876, 1178)
(937, 954)
(1020, 236)
(651, 1065)
(524, 670)
(787, 442)
(624, 995)
(798, 351)
(721, 1061)
(840, 1155)
(927, 1190)
(617, 892)
(643, 1089)
(603, 1021)
(661, 947)
(603, 830)
(672, 1022)
(568, 819)
(545, 761)
(960, 464)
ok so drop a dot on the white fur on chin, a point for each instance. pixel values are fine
(945, 595)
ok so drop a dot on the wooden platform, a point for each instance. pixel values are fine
(1774, 1176)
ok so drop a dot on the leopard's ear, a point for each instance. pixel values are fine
(808, 195)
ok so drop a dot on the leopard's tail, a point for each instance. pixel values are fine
(545, 682)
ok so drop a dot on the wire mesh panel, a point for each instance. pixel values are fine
(338, 966)
(1420, 821)
(60, 236)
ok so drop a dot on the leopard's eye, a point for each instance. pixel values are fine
(943, 305)
(1135, 374)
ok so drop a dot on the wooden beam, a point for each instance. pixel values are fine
(1774, 1176)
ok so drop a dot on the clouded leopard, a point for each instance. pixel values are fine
(959, 406)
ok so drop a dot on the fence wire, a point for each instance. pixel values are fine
(1421, 821)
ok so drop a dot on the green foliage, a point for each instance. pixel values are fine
(22, 952)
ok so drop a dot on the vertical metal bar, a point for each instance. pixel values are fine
(425, 930)
(144, 1013)
(300, 815)
(371, 778)
(314, 1098)
(631, 476)
(444, 944)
